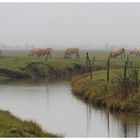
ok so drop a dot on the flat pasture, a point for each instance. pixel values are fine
(16, 59)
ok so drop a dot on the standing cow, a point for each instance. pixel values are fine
(135, 51)
(117, 51)
(46, 52)
(33, 52)
(69, 51)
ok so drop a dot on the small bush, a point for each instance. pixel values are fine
(129, 84)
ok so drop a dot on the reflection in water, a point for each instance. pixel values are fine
(88, 113)
(52, 105)
(130, 124)
(125, 129)
(108, 129)
(47, 97)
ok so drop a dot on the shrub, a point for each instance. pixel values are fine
(129, 83)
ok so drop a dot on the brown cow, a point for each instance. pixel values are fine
(46, 52)
(117, 51)
(33, 52)
(69, 51)
(40, 52)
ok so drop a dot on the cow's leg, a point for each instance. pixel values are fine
(46, 57)
(66, 55)
(48, 54)
(77, 54)
(124, 55)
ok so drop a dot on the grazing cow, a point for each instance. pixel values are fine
(69, 51)
(40, 52)
(135, 51)
(45, 52)
(33, 52)
(117, 51)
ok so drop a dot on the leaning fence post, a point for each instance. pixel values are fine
(126, 67)
(124, 77)
(88, 65)
(108, 68)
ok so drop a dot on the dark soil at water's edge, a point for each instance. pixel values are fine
(41, 70)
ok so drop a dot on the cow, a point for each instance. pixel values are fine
(116, 52)
(135, 51)
(33, 52)
(46, 52)
(69, 51)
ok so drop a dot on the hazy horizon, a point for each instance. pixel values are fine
(62, 25)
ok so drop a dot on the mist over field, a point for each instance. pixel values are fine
(62, 25)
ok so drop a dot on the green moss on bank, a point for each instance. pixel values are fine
(103, 94)
(11, 126)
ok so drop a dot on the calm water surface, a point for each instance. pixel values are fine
(52, 105)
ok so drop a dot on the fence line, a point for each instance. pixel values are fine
(90, 66)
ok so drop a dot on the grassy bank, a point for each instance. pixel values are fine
(18, 65)
(103, 94)
(11, 126)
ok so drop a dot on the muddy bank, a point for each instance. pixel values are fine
(10, 74)
(44, 70)
(41, 70)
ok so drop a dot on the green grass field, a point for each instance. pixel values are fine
(16, 59)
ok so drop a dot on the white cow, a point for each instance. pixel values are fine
(117, 51)
(135, 51)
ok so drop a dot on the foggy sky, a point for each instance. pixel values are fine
(84, 25)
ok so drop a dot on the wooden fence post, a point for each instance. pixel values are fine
(88, 65)
(125, 69)
(125, 77)
(108, 68)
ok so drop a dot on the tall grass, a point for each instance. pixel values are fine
(109, 95)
